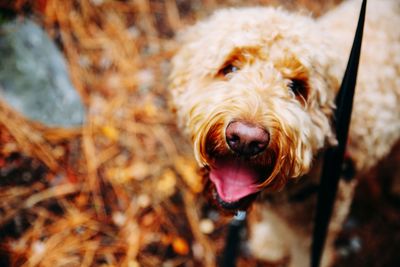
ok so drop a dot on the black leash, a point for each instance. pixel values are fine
(334, 156)
(233, 239)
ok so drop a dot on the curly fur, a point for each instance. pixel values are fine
(272, 48)
(270, 57)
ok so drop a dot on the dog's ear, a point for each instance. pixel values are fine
(181, 69)
(324, 81)
(179, 74)
(321, 110)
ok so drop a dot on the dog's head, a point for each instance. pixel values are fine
(254, 91)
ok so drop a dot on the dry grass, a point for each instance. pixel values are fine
(119, 191)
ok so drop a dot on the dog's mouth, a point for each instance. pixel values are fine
(236, 177)
(236, 181)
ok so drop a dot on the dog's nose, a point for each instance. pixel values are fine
(246, 139)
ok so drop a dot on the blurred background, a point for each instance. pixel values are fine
(94, 172)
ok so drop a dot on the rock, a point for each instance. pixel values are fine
(33, 76)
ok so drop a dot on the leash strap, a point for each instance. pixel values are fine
(334, 156)
(233, 239)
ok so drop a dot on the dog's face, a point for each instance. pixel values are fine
(253, 90)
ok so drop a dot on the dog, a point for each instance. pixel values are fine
(254, 90)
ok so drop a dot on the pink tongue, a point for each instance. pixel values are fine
(234, 180)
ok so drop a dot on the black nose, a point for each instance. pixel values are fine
(246, 139)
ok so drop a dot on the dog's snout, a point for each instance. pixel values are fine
(246, 139)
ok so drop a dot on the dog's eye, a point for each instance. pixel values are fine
(298, 88)
(230, 68)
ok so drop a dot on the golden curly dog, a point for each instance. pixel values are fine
(254, 90)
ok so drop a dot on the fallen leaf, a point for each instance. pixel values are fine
(180, 246)
(110, 132)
